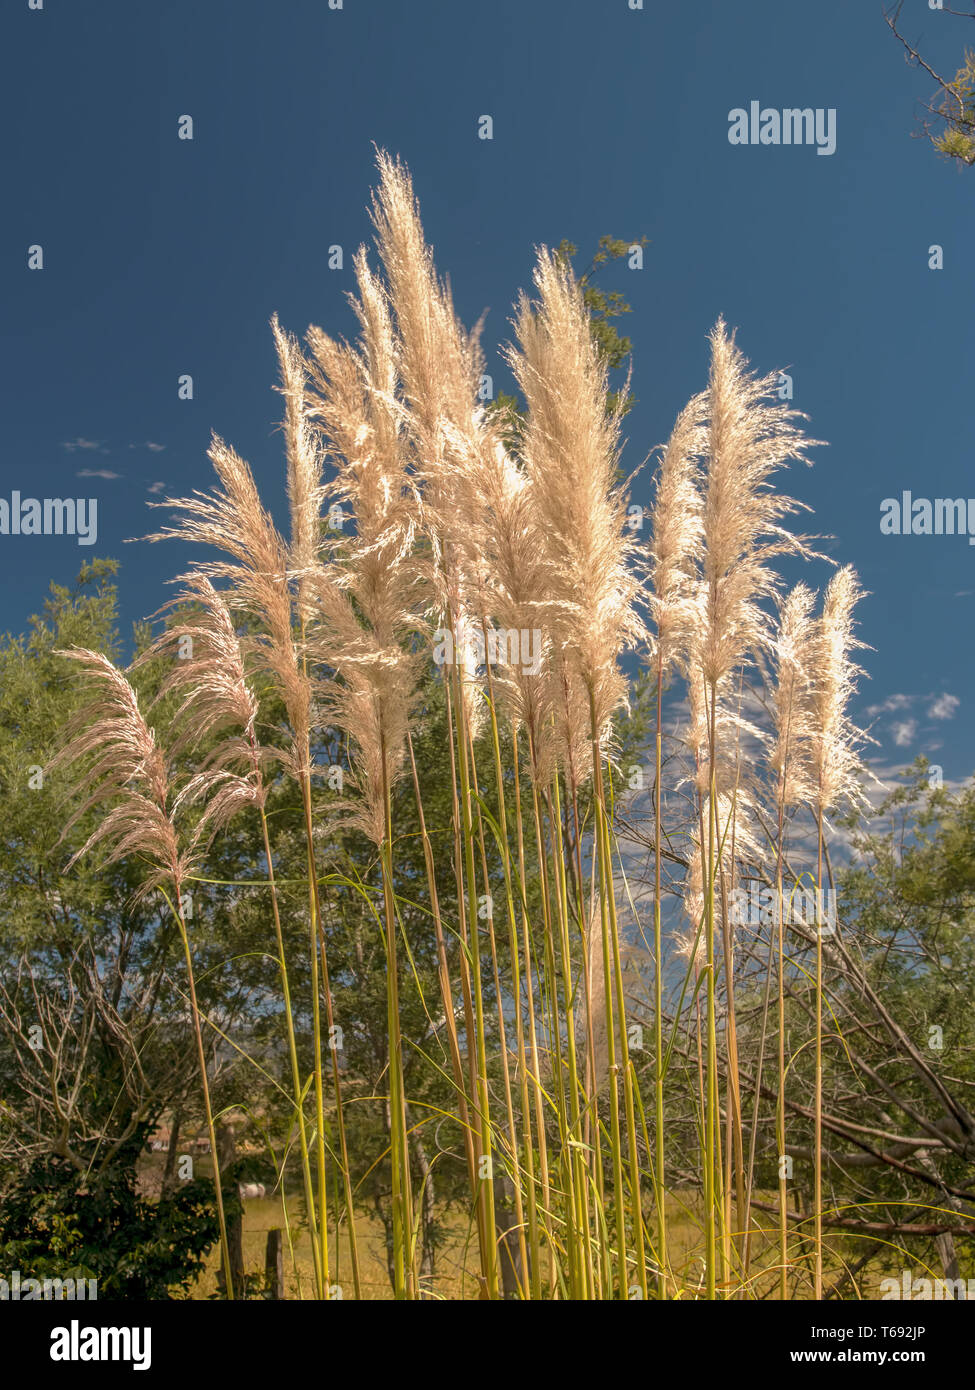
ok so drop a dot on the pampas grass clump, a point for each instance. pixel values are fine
(509, 553)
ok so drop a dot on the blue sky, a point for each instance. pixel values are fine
(165, 256)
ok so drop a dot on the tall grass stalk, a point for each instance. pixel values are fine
(577, 1226)
(789, 762)
(835, 767)
(611, 937)
(177, 907)
(512, 1134)
(486, 1147)
(550, 897)
(780, 1097)
(529, 1262)
(711, 1215)
(404, 1285)
(536, 1082)
(446, 986)
(321, 1286)
(818, 1092)
(660, 1174)
(484, 1200)
(316, 1016)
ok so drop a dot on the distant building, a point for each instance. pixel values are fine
(159, 1142)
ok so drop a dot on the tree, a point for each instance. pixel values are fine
(93, 1044)
(604, 306)
(952, 131)
(94, 1032)
(899, 1108)
(56, 1222)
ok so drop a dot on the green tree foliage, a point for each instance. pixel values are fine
(950, 124)
(56, 1223)
(604, 307)
(94, 1041)
(900, 1060)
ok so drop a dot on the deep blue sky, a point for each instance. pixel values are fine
(165, 256)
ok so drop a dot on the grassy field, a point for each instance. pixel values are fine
(262, 1214)
(456, 1262)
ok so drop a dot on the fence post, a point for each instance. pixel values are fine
(274, 1263)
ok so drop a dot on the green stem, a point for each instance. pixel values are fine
(293, 1056)
(516, 994)
(575, 1169)
(400, 1157)
(818, 1124)
(201, 1058)
(316, 1034)
(712, 1043)
(658, 998)
(606, 876)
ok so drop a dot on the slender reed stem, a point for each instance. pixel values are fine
(502, 1030)
(574, 1165)
(316, 1035)
(400, 1157)
(201, 1058)
(606, 876)
(339, 1110)
(446, 987)
(550, 990)
(485, 1218)
(528, 1148)
(780, 1100)
(532, 1033)
(485, 1156)
(818, 1122)
(658, 968)
(710, 1170)
(293, 1057)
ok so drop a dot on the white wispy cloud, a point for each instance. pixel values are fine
(891, 704)
(149, 444)
(944, 707)
(911, 708)
(904, 732)
(96, 473)
(72, 445)
(156, 487)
